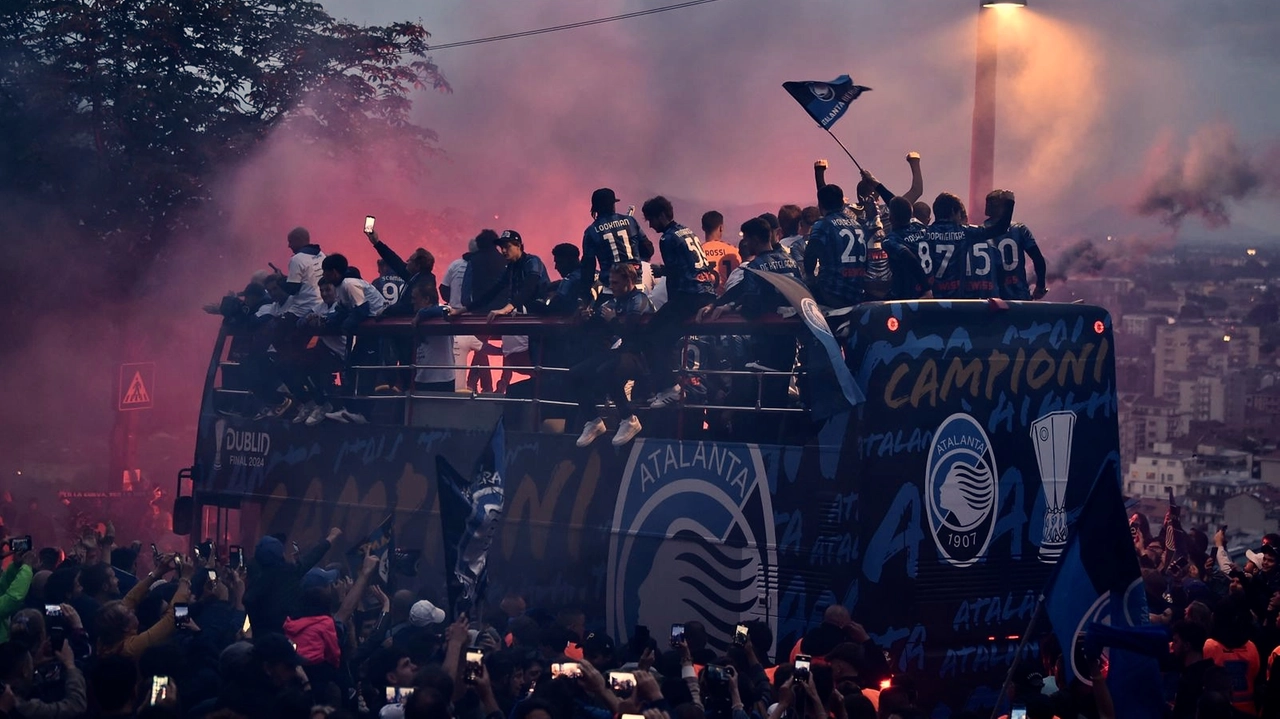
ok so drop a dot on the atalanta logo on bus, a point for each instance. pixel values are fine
(960, 486)
(693, 538)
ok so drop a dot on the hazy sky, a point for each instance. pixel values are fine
(1094, 97)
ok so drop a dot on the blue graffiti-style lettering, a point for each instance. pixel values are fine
(841, 509)
(790, 535)
(1013, 520)
(833, 550)
(1028, 335)
(892, 537)
(1097, 403)
(991, 611)
(993, 655)
(1002, 414)
(888, 444)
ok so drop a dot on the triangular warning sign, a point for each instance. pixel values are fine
(137, 392)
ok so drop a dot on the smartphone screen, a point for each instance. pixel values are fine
(398, 695)
(622, 683)
(245, 628)
(740, 634)
(1018, 713)
(475, 658)
(677, 635)
(53, 610)
(368, 223)
(180, 614)
(20, 544)
(802, 665)
(159, 689)
(568, 670)
(213, 576)
(237, 556)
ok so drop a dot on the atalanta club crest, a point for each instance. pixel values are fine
(813, 315)
(822, 91)
(961, 489)
(693, 538)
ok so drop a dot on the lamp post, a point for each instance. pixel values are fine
(982, 153)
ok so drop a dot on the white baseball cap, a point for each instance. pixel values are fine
(424, 614)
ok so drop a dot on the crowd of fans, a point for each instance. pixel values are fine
(877, 246)
(1223, 617)
(277, 632)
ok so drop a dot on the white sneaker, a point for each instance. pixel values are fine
(346, 416)
(317, 415)
(590, 431)
(627, 430)
(667, 397)
(304, 412)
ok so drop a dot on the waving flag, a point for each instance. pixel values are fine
(800, 298)
(469, 512)
(381, 544)
(825, 102)
(1098, 581)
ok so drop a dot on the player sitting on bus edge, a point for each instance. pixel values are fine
(691, 283)
(605, 375)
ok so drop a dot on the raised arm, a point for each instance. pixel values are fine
(389, 255)
(917, 179)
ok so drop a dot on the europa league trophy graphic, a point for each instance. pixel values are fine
(1051, 437)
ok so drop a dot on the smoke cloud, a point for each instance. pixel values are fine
(1204, 177)
(688, 104)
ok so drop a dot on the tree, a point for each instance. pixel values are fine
(117, 114)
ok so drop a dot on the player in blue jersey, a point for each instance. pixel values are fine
(1013, 248)
(691, 285)
(755, 296)
(959, 258)
(835, 259)
(388, 283)
(902, 245)
(610, 238)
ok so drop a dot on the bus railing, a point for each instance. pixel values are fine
(536, 398)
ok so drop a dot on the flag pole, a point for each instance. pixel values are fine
(842, 147)
(1017, 657)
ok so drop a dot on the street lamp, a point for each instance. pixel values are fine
(982, 153)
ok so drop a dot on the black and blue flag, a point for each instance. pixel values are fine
(1098, 582)
(469, 514)
(824, 404)
(825, 102)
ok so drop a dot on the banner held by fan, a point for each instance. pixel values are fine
(469, 513)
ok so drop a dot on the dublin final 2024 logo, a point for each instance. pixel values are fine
(961, 490)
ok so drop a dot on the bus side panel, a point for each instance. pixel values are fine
(658, 533)
(982, 433)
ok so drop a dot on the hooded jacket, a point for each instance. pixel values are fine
(274, 585)
(316, 639)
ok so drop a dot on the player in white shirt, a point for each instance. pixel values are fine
(354, 301)
(451, 288)
(303, 281)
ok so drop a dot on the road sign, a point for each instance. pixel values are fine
(137, 380)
